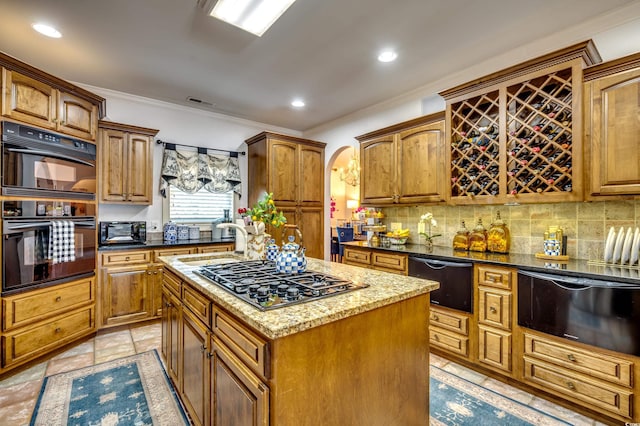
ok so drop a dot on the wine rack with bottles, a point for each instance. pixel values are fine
(539, 135)
(475, 146)
(515, 135)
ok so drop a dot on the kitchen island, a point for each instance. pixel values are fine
(359, 358)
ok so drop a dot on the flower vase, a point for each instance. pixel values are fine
(256, 241)
(428, 245)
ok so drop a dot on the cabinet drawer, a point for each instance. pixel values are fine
(589, 391)
(26, 308)
(606, 367)
(494, 277)
(244, 343)
(394, 262)
(357, 256)
(450, 321)
(494, 348)
(28, 342)
(126, 257)
(176, 251)
(199, 304)
(494, 308)
(450, 341)
(215, 248)
(172, 283)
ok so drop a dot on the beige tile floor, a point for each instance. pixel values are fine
(19, 392)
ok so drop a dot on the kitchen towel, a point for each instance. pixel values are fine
(62, 241)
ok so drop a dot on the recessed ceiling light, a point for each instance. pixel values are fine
(298, 103)
(47, 30)
(387, 56)
(254, 16)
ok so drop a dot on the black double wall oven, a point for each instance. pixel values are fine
(48, 227)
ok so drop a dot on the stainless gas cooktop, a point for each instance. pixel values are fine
(257, 283)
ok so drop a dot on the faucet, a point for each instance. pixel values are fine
(241, 229)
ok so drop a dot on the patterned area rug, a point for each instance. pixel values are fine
(456, 401)
(130, 391)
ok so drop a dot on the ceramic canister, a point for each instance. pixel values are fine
(183, 232)
(194, 232)
(170, 231)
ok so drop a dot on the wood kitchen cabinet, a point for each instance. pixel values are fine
(195, 380)
(495, 293)
(37, 322)
(515, 135)
(293, 170)
(34, 100)
(612, 128)
(449, 331)
(404, 163)
(126, 163)
(171, 325)
(376, 259)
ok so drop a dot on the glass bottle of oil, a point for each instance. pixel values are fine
(461, 239)
(498, 237)
(478, 237)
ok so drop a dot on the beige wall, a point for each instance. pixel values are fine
(585, 224)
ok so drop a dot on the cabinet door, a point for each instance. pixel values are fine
(240, 397)
(494, 348)
(311, 172)
(140, 169)
(171, 317)
(155, 285)
(28, 100)
(613, 134)
(113, 161)
(195, 368)
(310, 220)
(421, 164)
(77, 117)
(125, 295)
(283, 171)
(378, 175)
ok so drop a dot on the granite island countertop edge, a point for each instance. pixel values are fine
(384, 289)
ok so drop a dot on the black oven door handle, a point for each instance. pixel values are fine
(51, 154)
(578, 283)
(21, 226)
(441, 264)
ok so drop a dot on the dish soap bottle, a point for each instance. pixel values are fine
(461, 239)
(478, 237)
(498, 238)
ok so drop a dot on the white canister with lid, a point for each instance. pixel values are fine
(183, 232)
(194, 232)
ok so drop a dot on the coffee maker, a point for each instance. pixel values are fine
(223, 233)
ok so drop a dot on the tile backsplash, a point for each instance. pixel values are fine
(585, 224)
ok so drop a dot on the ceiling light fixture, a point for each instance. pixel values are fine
(387, 56)
(298, 103)
(47, 30)
(254, 16)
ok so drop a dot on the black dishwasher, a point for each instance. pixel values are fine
(455, 278)
(601, 313)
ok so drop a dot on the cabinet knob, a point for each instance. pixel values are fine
(168, 305)
(209, 355)
(148, 272)
(436, 337)
(58, 330)
(571, 386)
(493, 310)
(571, 357)
(155, 272)
(434, 317)
(59, 298)
(127, 258)
(203, 348)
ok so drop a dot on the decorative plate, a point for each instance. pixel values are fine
(626, 247)
(608, 245)
(617, 250)
(635, 247)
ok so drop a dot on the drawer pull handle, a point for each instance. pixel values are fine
(59, 298)
(58, 330)
(571, 358)
(571, 386)
(493, 310)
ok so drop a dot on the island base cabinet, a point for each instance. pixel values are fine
(360, 370)
(195, 372)
(239, 397)
(171, 334)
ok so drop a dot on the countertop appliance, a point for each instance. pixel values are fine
(117, 232)
(596, 312)
(455, 278)
(36, 163)
(257, 283)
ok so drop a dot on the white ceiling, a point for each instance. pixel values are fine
(321, 50)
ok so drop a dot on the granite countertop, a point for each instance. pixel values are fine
(572, 267)
(384, 289)
(161, 243)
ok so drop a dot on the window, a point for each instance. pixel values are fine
(200, 207)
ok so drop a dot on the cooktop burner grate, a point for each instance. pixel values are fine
(257, 283)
